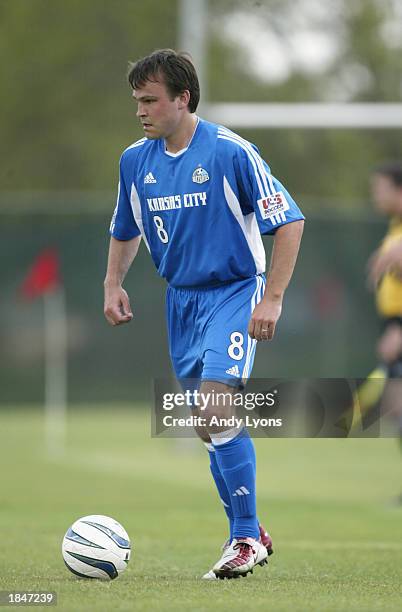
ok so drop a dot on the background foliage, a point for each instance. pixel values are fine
(66, 112)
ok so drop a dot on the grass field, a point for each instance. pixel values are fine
(327, 503)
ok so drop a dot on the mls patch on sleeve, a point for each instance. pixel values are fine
(272, 205)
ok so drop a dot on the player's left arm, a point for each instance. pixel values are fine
(284, 254)
(277, 214)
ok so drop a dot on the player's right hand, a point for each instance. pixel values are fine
(117, 307)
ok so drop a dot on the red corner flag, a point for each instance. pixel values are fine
(43, 276)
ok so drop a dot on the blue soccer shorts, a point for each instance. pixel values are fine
(208, 330)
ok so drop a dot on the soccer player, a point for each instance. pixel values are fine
(200, 196)
(385, 276)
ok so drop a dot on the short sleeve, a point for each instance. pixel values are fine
(123, 226)
(263, 193)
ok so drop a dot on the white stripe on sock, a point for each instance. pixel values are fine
(225, 436)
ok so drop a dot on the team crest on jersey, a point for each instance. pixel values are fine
(273, 205)
(200, 175)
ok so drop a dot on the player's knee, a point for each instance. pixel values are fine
(217, 415)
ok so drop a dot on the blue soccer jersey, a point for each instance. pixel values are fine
(201, 212)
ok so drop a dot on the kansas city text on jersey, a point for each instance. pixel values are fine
(172, 202)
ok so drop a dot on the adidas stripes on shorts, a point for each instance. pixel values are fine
(207, 329)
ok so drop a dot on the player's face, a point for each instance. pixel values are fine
(158, 113)
(387, 197)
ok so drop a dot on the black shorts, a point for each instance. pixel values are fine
(394, 368)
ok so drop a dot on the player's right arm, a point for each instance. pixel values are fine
(117, 304)
(124, 243)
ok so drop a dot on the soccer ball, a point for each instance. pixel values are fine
(96, 546)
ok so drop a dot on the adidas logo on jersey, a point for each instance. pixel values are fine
(241, 491)
(149, 178)
(233, 371)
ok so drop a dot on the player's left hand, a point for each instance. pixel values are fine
(264, 319)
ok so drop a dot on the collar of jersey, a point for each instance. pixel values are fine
(185, 149)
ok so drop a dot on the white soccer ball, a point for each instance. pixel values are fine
(96, 546)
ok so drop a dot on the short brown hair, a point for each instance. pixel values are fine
(175, 68)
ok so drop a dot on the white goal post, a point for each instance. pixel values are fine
(192, 26)
(305, 115)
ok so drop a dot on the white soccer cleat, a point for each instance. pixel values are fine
(265, 539)
(211, 574)
(240, 558)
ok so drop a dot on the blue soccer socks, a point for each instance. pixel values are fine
(221, 486)
(236, 462)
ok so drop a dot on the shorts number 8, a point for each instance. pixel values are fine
(235, 349)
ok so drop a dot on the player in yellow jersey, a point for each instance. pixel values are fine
(385, 265)
(385, 277)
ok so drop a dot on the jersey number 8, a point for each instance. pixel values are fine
(162, 233)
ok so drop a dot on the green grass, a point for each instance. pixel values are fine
(337, 536)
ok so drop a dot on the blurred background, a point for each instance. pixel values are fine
(66, 114)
